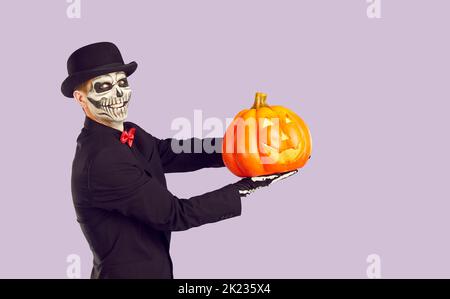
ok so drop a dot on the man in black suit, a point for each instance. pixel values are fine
(118, 185)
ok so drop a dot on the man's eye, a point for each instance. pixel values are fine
(101, 87)
(123, 82)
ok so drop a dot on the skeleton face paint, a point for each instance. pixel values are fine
(109, 96)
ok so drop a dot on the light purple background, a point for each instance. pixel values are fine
(375, 94)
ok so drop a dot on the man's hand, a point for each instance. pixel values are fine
(250, 184)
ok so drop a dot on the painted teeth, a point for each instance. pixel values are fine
(117, 110)
(116, 105)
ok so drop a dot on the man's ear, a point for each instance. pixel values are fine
(80, 98)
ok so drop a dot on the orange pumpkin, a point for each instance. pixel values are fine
(266, 139)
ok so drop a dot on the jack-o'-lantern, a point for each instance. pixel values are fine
(266, 139)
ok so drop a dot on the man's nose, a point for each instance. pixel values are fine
(119, 93)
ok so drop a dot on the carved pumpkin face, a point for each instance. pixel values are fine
(266, 139)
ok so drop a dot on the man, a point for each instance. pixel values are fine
(118, 185)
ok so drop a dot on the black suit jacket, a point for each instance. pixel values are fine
(123, 206)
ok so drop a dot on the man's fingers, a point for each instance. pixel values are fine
(285, 175)
(274, 177)
(264, 177)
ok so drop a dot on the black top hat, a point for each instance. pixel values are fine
(91, 61)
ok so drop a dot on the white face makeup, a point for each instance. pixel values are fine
(109, 96)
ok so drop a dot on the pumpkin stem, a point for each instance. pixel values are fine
(260, 100)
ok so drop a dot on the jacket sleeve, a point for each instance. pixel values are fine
(184, 155)
(189, 154)
(117, 184)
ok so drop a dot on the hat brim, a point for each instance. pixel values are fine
(71, 82)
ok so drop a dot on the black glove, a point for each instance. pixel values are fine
(250, 184)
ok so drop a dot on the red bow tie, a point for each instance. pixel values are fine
(128, 136)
